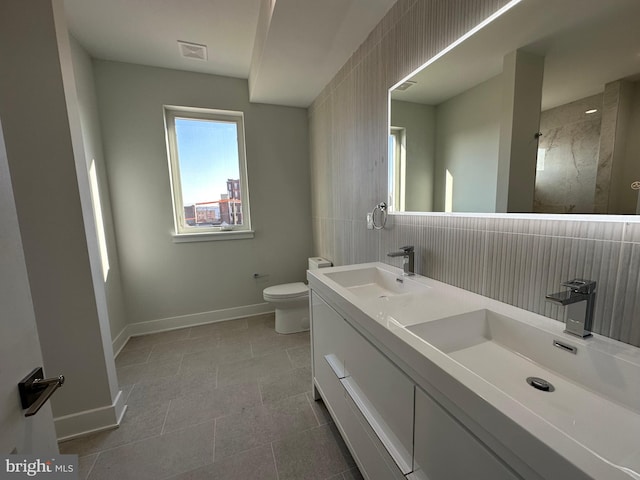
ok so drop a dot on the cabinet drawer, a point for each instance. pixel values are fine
(369, 398)
(374, 461)
(445, 450)
(328, 330)
(328, 351)
(387, 392)
(331, 391)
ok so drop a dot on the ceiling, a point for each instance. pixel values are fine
(288, 49)
(586, 43)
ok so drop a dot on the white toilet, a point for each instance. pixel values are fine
(292, 301)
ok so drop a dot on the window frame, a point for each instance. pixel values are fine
(398, 169)
(183, 232)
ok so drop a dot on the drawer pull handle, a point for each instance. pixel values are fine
(335, 365)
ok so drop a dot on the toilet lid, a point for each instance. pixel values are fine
(287, 290)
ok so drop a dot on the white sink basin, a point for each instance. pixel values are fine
(505, 352)
(373, 282)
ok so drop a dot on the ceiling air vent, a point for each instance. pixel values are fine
(403, 86)
(192, 50)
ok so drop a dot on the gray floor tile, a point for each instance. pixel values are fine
(218, 329)
(300, 356)
(142, 341)
(157, 457)
(261, 326)
(274, 342)
(132, 357)
(186, 345)
(337, 476)
(320, 410)
(353, 474)
(245, 330)
(314, 454)
(126, 391)
(266, 321)
(160, 390)
(139, 422)
(85, 464)
(253, 368)
(286, 384)
(260, 425)
(224, 352)
(147, 372)
(166, 356)
(255, 464)
(201, 406)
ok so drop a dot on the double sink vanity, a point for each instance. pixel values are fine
(427, 381)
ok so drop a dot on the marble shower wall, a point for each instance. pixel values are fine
(566, 179)
(514, 260)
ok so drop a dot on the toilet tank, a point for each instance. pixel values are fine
(318, 262)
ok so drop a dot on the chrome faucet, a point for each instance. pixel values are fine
(408, 254)
(580, 298)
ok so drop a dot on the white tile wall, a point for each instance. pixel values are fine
(516, 261)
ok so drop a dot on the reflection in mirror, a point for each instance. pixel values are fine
(539, 111)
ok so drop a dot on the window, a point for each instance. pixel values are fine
(208, 172)
(397, 168)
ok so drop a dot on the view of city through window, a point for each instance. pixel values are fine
(209, 172)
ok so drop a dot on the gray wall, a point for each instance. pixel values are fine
(467, 141)
(621, 197)
(618, 149)
(522, 74)
(626, 168)
(164, 279)
(89, 121)
(419, 123)
(39, 111)
(514, 260)
(633, 142)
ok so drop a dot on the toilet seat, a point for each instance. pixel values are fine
(286, 291)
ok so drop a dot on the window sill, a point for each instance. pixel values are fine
(212, 236)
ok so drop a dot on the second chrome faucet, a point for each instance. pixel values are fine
(580, 298)
(408, 262)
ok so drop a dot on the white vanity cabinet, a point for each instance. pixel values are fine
(393, 428)
(445, 450)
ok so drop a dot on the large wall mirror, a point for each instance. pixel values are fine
(536, 112)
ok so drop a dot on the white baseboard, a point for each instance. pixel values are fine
(91, 421)
(182, 321)
(119, 341)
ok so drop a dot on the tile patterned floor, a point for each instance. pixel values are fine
(229, 400)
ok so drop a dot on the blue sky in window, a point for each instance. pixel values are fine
(208, 156)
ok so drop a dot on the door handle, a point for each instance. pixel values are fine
(35, 390)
